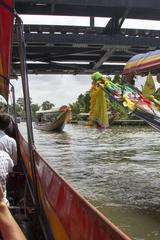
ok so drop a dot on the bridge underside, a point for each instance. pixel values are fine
(82, 50)
(139, 9)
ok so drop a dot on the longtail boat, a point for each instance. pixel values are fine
(143, 64)
(53, 119)
(133, 102)
(40, 199)
(126, 96)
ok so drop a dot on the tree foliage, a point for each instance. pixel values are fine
(34, 108)
(47, 105)
(20, 107)
(81, 105)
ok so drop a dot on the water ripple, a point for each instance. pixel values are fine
(117, 168)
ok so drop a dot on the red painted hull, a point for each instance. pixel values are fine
(68, 214)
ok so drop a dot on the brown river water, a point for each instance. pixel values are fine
(117, 170)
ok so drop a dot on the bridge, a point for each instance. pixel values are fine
(59, 49)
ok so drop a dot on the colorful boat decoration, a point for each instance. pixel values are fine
(141, 63)
(146, 106)
(53, 119)
(134, 102)
(50, 206)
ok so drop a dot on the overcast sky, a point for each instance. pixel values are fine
(64, 89)
(58, 89)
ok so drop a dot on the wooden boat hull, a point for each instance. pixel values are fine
(57, 125)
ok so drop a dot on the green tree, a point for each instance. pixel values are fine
(75, 110)
(81, 105)
(20, 107)
(20, 104)
(34, 108)
(47, 105)
(86, 100)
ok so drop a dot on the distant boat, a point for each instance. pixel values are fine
(53, 119)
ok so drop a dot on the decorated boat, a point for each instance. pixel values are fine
(53, 119)
(44, 204)
(146, 104)
(133, 101)
(143, 64)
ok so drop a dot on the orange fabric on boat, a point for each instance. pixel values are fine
(6, 26)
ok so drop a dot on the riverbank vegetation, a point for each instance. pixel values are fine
(82, 105)
(115, 110)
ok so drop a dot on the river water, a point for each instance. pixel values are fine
(117, 170)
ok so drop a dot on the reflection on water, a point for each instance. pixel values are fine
(117, 170)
